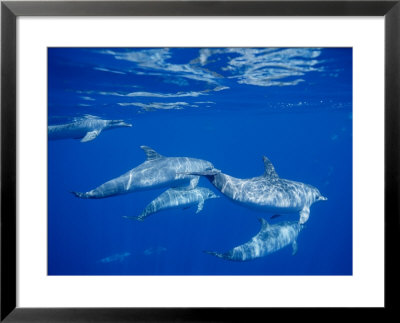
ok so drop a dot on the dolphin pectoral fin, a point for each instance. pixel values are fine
(193, 182)
(200, 206)
(90, 135)
(304, 215)
(192, 185)
(294, 246)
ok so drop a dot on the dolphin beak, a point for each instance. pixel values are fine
(120, 123)
(124, 124)
(323, 198)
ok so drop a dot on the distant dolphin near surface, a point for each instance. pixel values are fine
(268, 192)
(86, 129)
(270, 238)
(177, 198)
(156, 172)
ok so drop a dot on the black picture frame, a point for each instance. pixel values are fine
(10, 10)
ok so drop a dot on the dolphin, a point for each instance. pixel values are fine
(176, 198)
(156, 172)
(154, 251)
(270, 238)
(268, 192)
(86, 129)
(117, 257)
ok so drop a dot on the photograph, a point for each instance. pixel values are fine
(200, 161)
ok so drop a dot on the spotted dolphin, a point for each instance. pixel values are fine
(270, 238)
(268, 192)
(177, 198)
(86, 129)
(156, 172)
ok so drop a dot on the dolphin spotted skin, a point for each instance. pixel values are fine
(177, 198)
(85, 129)
(269, 239)
(156, 172)
(268, 192)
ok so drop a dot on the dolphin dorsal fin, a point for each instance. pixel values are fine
(151, 153)
(269, 169)
(264, 223)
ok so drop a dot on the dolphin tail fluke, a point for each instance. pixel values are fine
(80, 195)
(216, 254)
(138, 218)
(213, 253)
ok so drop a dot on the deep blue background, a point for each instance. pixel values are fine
(305, 129)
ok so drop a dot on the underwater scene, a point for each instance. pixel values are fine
(200, 161)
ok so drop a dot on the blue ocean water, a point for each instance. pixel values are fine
(230, 106)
